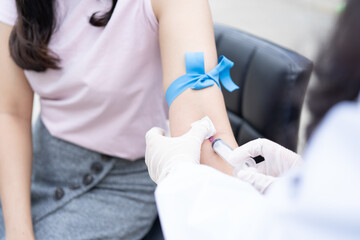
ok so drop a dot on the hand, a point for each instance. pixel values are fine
(277, 161)
(164, 153)
(277, 158)
(258, 180)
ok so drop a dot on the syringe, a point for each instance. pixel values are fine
(225, 151)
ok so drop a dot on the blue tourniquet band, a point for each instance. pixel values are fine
(196, 78)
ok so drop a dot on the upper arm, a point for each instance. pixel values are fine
(184, 26)
(16, 95)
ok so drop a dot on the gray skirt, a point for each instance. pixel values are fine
(81, 194)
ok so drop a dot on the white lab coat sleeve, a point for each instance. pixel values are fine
(319, 201)
(202, 203)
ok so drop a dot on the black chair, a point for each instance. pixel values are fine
(272, 83)
(155, 232)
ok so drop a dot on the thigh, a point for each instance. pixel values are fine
(80, 194)
(107, 211)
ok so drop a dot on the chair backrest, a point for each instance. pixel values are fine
(272, 83)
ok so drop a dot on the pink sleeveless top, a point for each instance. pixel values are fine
(108, 92)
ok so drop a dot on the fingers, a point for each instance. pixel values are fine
(153, 133)
(260, 181)
(258, 147)
(152, 144)
(249, 150)
(255, 147)
(202, 129)
(164, 153)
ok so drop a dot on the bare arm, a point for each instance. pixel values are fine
(186, 26)
(16, 99)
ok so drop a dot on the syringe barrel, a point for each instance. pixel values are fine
(225, 151)
(222, 149)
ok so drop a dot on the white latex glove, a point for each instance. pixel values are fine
(164, 153)
(277, 161)
(260, 181)
(277, 158)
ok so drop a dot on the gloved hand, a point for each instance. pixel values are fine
(164, 153)
(277, 158)
(260, 181)
(277, 161)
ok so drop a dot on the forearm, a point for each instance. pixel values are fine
(186, 26)
(192, 105)
(15, 175)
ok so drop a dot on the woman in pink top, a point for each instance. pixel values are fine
(100, 68)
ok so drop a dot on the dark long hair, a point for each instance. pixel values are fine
(32, 32)
(338, 66)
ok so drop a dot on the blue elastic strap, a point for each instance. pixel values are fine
(196, 78)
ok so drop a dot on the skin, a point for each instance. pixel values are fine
(184, 26)
(16, 100)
